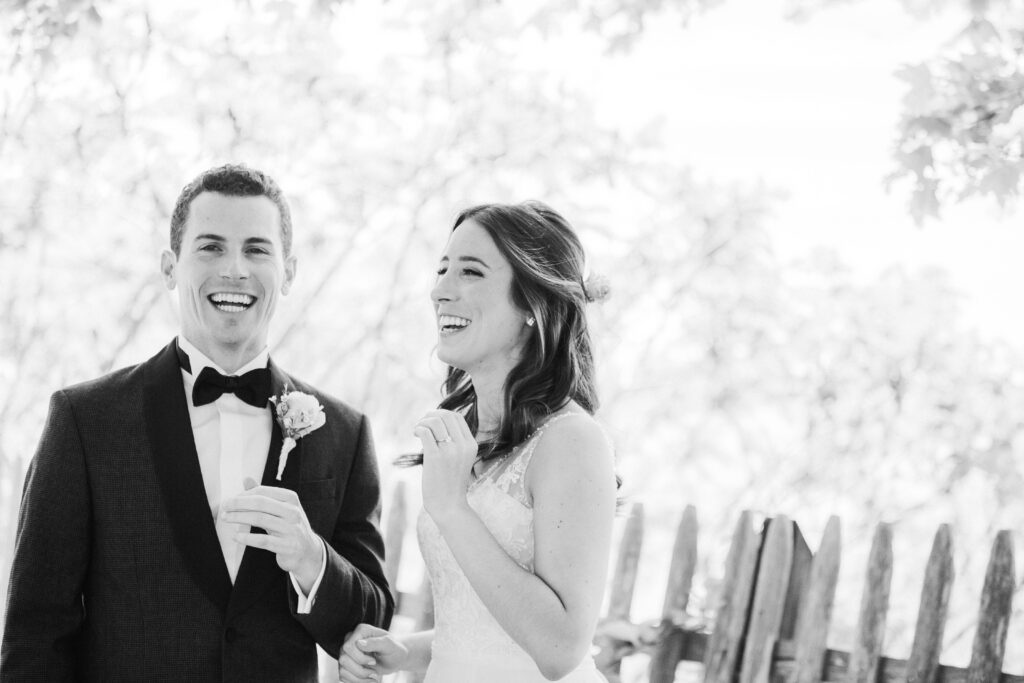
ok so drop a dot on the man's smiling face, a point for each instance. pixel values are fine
(229, 272)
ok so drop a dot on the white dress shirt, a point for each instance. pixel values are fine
(232, 442)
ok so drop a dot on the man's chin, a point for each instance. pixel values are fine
(232, 338)
(235, 341)
(230, 328)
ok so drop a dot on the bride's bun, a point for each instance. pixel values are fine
(596, 288)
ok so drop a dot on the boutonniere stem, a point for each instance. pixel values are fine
(298, 414)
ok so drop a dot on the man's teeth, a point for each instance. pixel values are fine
(232, 302)
(452, 321)
(232, 298)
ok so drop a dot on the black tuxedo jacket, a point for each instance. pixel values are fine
(118, 574)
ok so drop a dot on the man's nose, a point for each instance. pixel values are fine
(235, 267)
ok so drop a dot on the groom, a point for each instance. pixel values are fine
(146, 548)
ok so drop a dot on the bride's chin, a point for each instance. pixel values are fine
(450, 360)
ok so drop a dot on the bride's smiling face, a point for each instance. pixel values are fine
(230, 271)
(480, 329)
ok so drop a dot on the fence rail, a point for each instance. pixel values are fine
(775, 606)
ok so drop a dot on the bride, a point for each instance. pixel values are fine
(518, 483)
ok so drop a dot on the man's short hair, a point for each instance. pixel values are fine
(233, 180)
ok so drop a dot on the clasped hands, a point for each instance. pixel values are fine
(288, 533)
(449, 452)
(370, 653)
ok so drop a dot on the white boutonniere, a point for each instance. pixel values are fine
(298, 414)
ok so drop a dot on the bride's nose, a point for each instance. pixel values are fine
(442, 290)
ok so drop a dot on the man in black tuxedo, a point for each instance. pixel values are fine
(146, 551)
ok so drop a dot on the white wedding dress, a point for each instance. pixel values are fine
(469, 645)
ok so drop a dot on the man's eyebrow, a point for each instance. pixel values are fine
(219, 238)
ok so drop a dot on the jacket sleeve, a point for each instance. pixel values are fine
(45, 606)
(353, 589)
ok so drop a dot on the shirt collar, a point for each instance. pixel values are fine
(198, 360)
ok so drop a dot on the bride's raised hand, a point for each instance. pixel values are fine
(368, 654)
(449, 451)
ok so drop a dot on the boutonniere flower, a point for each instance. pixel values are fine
(298, 414)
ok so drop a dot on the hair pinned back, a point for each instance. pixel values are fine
(596, 288)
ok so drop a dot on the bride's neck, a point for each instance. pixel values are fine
(490, 401)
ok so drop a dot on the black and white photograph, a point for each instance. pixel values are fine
(494, 341)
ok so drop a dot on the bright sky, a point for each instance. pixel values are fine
(811, 108)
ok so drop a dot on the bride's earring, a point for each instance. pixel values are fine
(530, 321)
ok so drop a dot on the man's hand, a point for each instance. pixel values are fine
(289, 536)
(369, 653)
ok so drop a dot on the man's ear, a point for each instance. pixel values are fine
(290, 264)
(167, 263)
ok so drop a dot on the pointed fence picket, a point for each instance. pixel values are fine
(775, 606)
(725, 646)
(874, 607)
(669, 649)
(923, 664)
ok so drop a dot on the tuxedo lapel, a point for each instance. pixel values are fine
(181, 481)
(259, 568)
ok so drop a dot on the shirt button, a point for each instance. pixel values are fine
(230, 634)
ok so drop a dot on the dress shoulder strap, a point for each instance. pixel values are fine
(531, 443)
(512, 478)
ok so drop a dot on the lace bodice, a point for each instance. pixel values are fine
(465, 631)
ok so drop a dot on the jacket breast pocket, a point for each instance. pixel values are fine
(319, 489)
(320, 500)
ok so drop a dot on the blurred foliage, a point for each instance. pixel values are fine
(962, 130)
(737, 380)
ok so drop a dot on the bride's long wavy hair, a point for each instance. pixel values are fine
(557, 363)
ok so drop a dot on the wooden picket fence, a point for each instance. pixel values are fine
(772, 619)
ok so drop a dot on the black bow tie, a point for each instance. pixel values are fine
(253, 387)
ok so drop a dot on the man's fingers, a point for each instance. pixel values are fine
(346, 675)
(256, 502)
(269, 523)
(357, 655)
(274, 544)
(275, 492)
(354, 664)
(355, 670)
(366, 631)
(376, 645)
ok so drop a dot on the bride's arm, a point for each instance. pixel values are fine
(551, 614)
(418, 647)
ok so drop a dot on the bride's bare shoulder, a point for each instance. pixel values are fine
(573, 443)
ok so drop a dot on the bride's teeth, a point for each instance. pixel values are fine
(452, 321)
